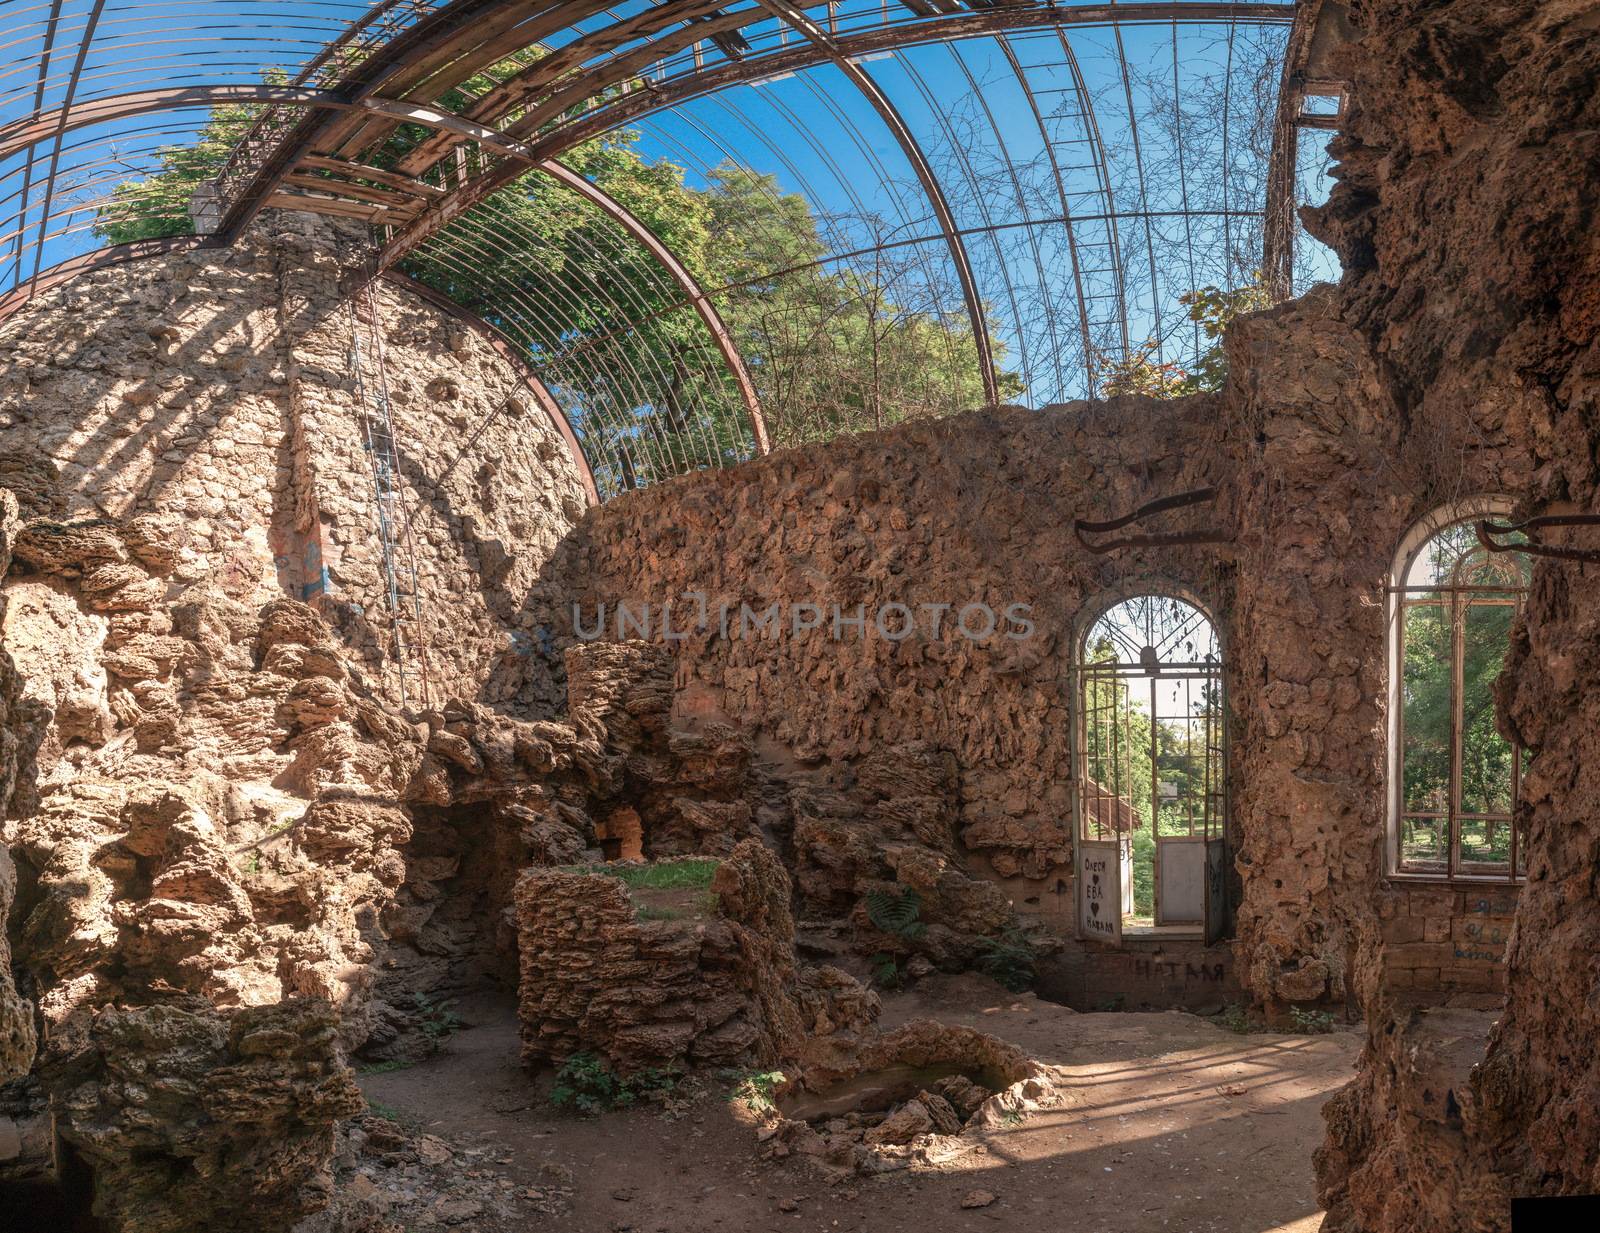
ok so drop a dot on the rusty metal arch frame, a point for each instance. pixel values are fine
(399, 39)
(721, 336)
(20, 136)
(895, 123)
(843, 52)
(943, 27)
(518, 158)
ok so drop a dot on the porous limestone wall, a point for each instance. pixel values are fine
(1465, 212)
(16, 1015)
(205, 781)
(1329, 472)
(1319, 477)
(709, 983)
(974, 509)
(213, 391)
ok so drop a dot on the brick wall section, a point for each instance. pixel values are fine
(1145, 975)
(1443, 939)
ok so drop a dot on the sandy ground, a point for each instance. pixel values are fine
(1172, 1125)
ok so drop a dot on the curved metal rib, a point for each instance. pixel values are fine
(507, 352)
(141, 250)
(687, 283)
(896, 125)
(518, 158)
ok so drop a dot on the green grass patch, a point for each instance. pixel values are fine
(385, 1068)
(1144, 872)
(692, 874)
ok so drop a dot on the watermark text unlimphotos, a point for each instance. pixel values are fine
(692, 614)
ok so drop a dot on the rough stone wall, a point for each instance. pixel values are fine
(489, 488)
(205, 785)
(1541, 1078)
(715, 984)
(1320, 475)
(978, 508)
(16, 1015)
(1403, 1151)
(1465, 214)
(1328, 474)
(214, 390)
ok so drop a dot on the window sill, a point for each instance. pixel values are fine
(1460, 879)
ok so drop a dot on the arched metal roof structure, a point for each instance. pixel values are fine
(694, 218)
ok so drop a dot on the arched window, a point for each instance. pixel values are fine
(1453, 778)
(1150, 753)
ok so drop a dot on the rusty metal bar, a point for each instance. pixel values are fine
(896, 125)
(1296, 81)
(38, 106)
(21, 134)
(285, 153)
(1486, 530)
(721, 337)
(1198, 496)
(90, 23)
(100, 259)
(967, 24)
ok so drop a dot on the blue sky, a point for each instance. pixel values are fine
(1012, 171)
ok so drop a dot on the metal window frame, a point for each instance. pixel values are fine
(1396, 867)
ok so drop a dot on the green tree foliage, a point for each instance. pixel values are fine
(830, 350)
(1436, 626)
(1213, 309)
(158, 205)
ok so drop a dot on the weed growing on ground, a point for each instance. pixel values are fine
(886, 971)
(754, 1089)
(1009, 959)
(435, 1019)
(1310, 1022)
(586, 1085)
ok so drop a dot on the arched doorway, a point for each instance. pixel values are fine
(1150, 771)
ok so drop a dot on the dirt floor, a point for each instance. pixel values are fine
(1171, 1124)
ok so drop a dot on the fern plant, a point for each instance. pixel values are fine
(1009, 959)
(886, 971)
(896, 914)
